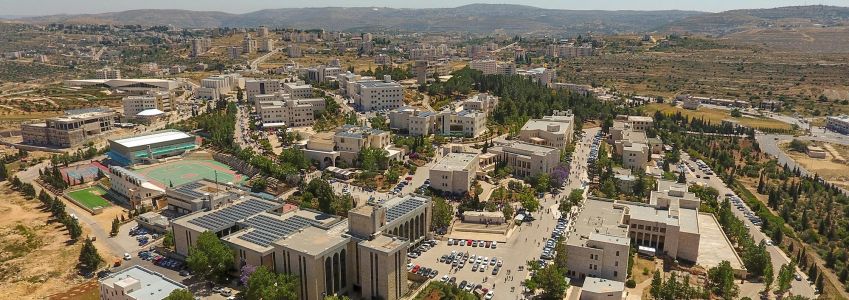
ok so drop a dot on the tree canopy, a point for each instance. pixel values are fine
(210, 257)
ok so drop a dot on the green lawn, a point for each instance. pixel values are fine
(90, 197)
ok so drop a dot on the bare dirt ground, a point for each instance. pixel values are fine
(36, 260)
(827, 168)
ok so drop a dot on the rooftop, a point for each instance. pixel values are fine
(400, 206)
(220, 219)
(543, 125)
(599, 219)
(378, 83)
(312, 240)
(384, 243)
(152, 285)
(455, 162)
(152, 138)
(602, 286)
(354, 131)
(522, 146)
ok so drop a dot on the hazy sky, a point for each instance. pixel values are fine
(48, 7)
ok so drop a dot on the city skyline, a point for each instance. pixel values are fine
(52, 7)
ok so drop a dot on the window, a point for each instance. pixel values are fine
(617, 253)
(615, 273)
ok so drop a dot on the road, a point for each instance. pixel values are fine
(803, 288)
(255, 63)
(769, 143)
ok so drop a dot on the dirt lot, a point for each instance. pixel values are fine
(35, 260)
(835, 172)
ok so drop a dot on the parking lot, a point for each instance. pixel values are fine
(525, 244)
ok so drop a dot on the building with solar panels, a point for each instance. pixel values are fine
(330, 255)
(150, 147)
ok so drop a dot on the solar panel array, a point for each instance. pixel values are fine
(189, 189)
(268, 229)
(227, 217)
(403, 208)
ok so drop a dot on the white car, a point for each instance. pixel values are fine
(127, 256)
(489, 295)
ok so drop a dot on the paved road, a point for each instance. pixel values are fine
(255, 63)
(778, 257)
(768, 143)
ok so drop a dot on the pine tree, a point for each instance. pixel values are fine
(89, 258)
(115, 227)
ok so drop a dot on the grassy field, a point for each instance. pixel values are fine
(716, 116)
(90, 197)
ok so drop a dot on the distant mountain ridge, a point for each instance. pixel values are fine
(479, 18)
(472, 18)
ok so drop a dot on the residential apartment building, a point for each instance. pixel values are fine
(329, 255)
(526, 159)
(137, 283)
(200, 46)
(73, 129)
(838, 124)
(376, 95)
(570, 50)
(248, 44)
(454, 173)
(492, 67)
(108, 73)
(553, 131)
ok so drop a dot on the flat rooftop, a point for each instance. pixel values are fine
(153, 285)
(455, 162)
(400, 206)
(714, 247)
(599, 218)
(602, 286)
(152, 138)
(537, 124)
(528, 147)
(384, 243)
(312, 241)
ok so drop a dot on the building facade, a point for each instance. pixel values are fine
(73, 129)
(454, 173)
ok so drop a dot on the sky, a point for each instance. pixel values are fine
(50, 7)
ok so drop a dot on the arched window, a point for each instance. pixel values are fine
(344, 273)
(328, 276)
(336, 271)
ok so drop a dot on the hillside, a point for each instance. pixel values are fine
(733, 21)
(473, 18)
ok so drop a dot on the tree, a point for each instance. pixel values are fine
(528, 200)
(168, 240)
(116, 225)
(552, 281)
(264, 284)
(721, 281)
(656, 285)
(443, 213)
(180, 294)
(89, 258)
(543, 183)
(682, 177)
(210, 257)
(768, 277)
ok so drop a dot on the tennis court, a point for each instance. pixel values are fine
(187, 170)
(91, 197)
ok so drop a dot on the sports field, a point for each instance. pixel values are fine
(90, 197)
(183, 171)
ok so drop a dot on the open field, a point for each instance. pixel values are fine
(35, 260)
(716, 116)
(735, 71)
(180, 172)
(827, 168)
(91, 197)
(641, 264)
